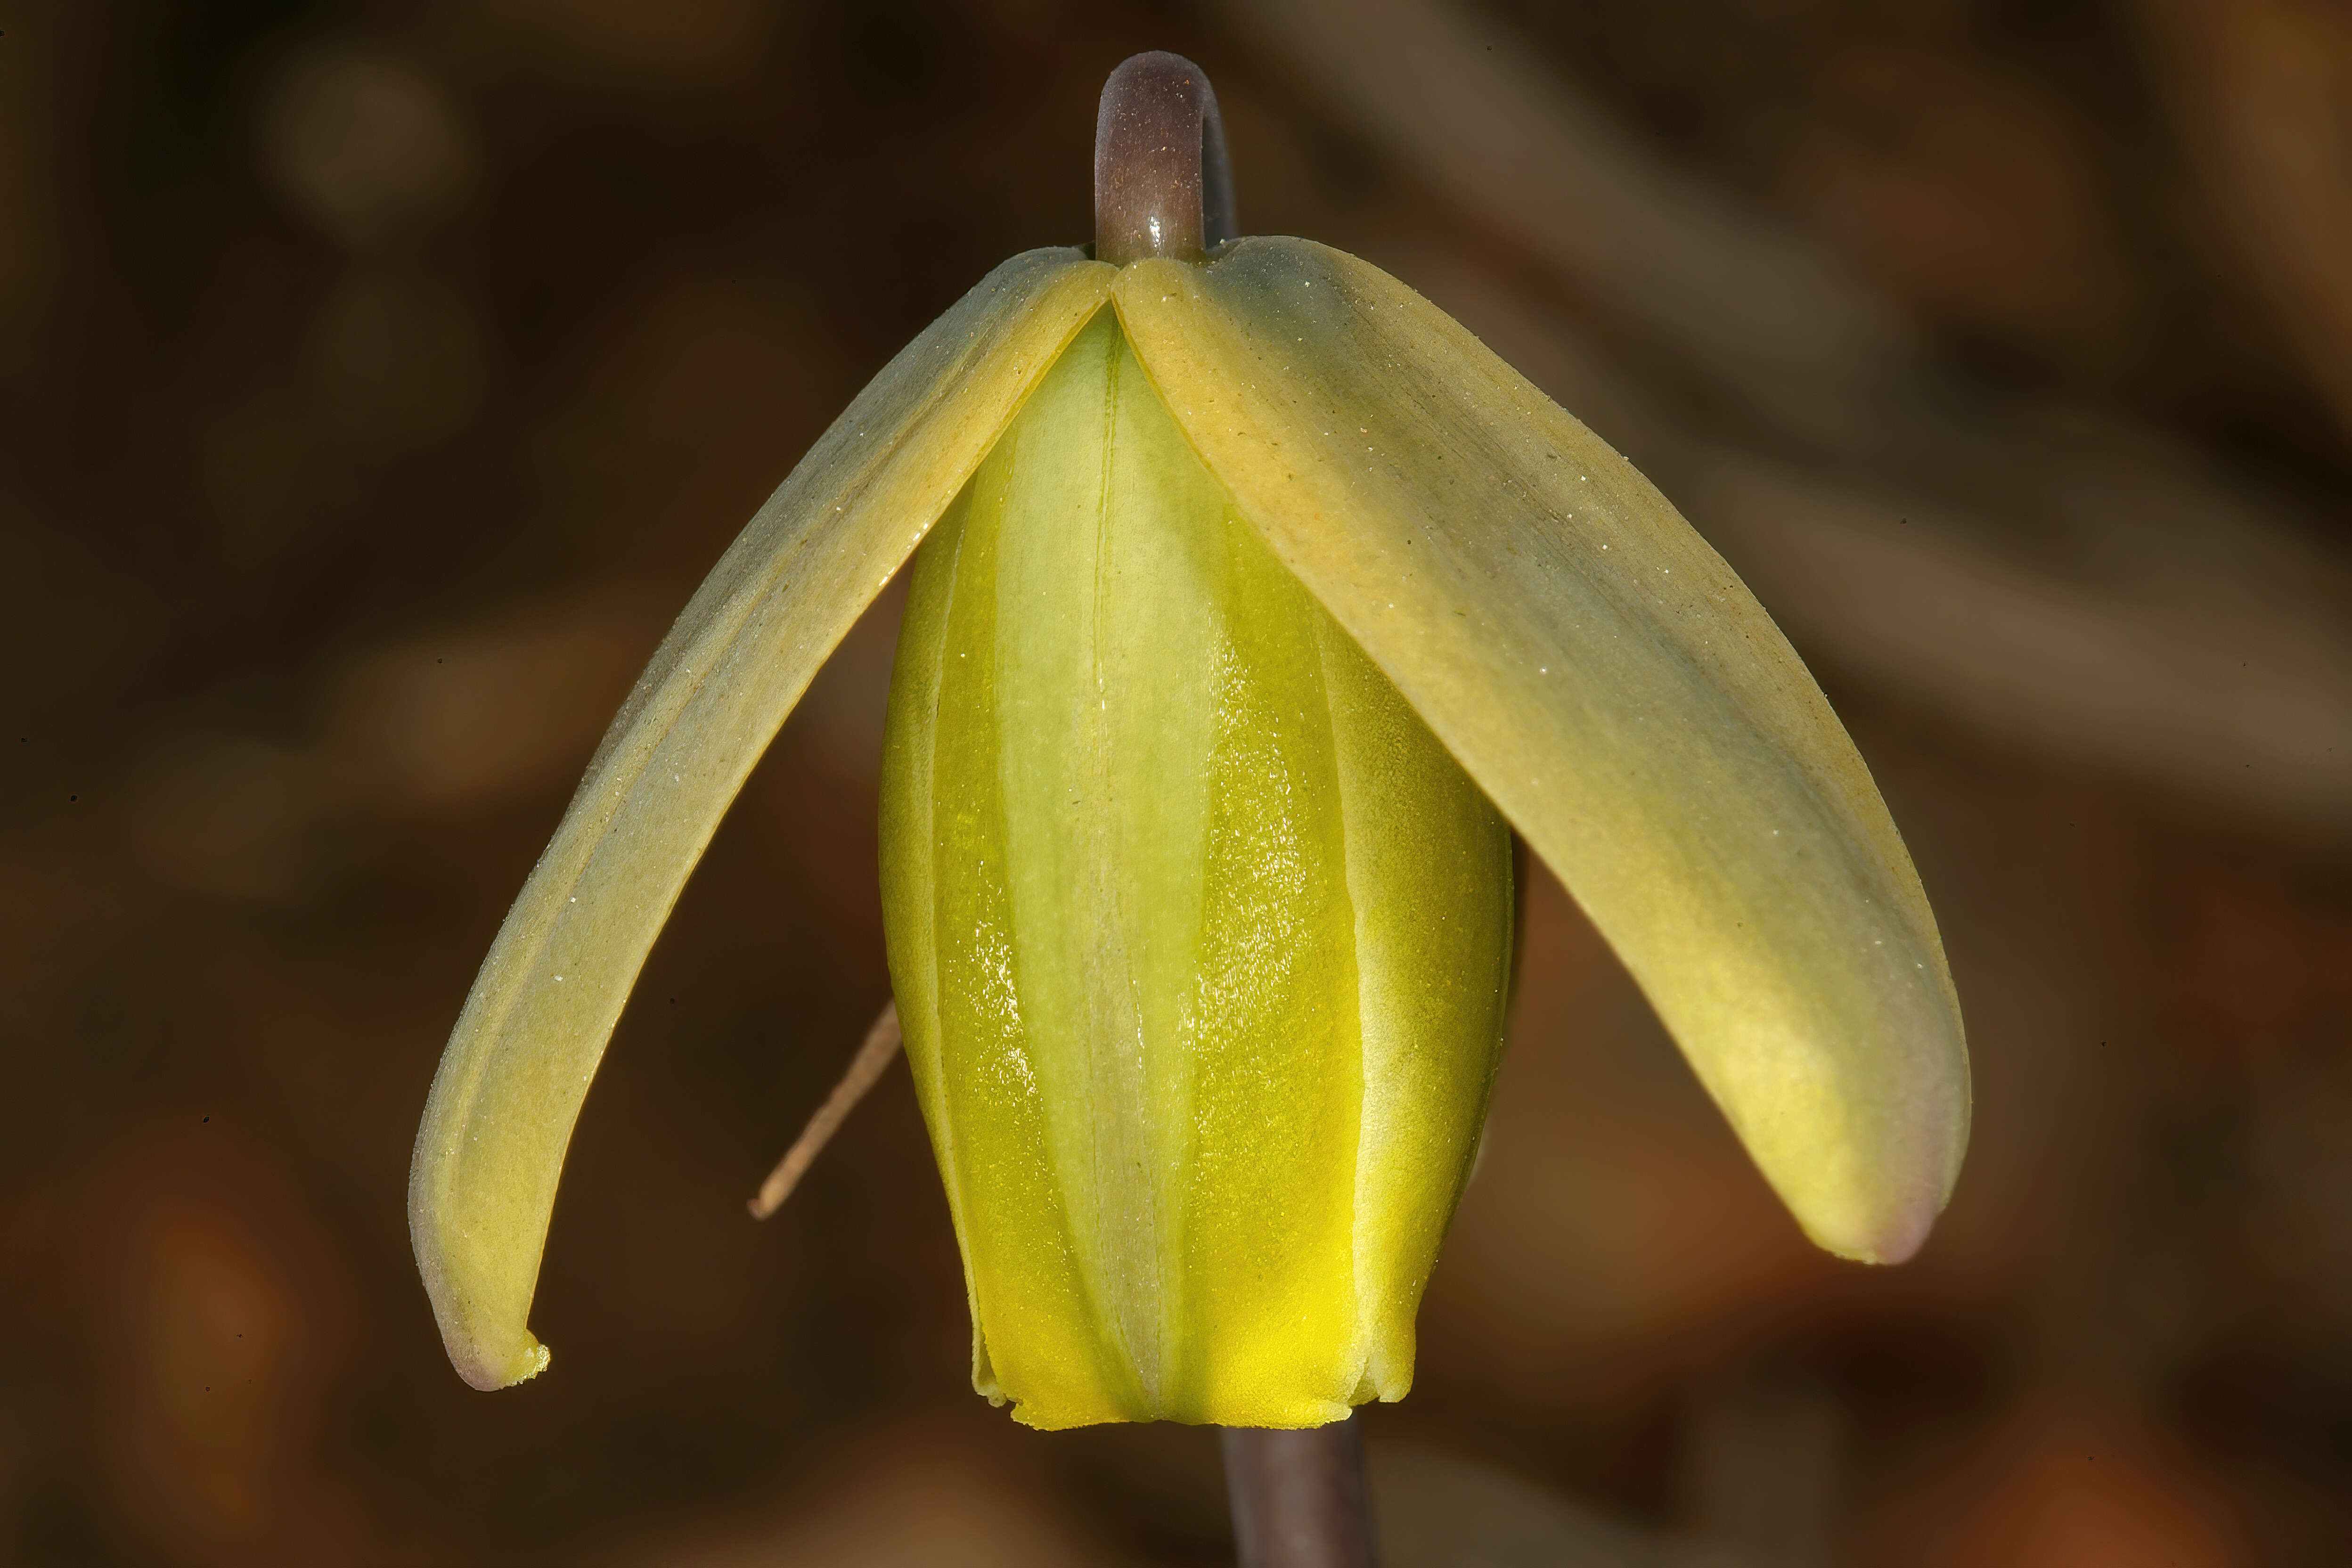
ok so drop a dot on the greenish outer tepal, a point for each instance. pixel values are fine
(1449, 541)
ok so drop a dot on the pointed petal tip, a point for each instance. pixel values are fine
(1898, 1244)
(1868, 1161)
(489, 1345)
(488, 1372)
(1883, 1233)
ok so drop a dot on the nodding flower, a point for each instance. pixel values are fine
(1254, 605)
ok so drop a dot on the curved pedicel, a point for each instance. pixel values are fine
(1162, 183)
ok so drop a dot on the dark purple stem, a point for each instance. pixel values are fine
(1163, 184)
(1298, 1496)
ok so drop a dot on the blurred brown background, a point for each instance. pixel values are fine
(376, 380)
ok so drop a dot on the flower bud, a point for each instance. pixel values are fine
(1201, 939)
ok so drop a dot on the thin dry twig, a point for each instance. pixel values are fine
(881, 1045)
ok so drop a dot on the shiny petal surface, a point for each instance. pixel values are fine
(517, 1066)
(1615, 690)
(1201, 938)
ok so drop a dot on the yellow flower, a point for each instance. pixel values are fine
(1203, 987)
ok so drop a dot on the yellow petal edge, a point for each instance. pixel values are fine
(1612, 686)
(517, 1068)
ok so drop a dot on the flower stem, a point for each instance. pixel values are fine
(1298, 1496)
(1162, 183)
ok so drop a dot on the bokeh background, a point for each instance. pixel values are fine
(376, 380)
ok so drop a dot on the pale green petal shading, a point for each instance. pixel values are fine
(1612, 686)
(1201, 939)
(517, 1066)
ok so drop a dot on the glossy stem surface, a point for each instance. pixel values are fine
(1162, 183)
(1298, 1496)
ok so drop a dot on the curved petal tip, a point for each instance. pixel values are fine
(481, 1372)
(1895, 1240)
(1873, 1198)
